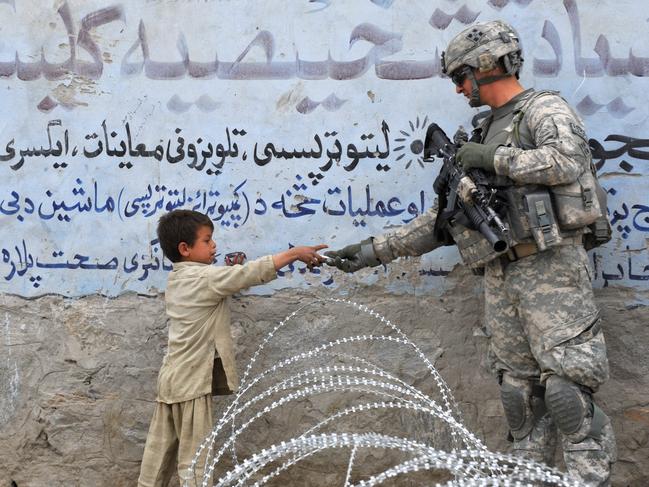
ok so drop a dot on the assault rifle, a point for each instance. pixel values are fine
(453, 182)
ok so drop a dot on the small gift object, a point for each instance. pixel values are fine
(234, 258)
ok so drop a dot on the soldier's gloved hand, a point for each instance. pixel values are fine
(477, 155)
(354, 257)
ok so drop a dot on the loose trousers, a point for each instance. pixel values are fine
(176, 432)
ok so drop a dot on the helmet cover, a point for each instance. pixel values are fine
(481, 45)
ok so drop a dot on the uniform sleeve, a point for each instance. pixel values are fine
(417, 237)
(227, 280)
(561, 152)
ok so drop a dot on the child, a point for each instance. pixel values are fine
(200, 350)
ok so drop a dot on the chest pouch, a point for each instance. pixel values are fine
(542, 221)
(578, 203)
(531, 216)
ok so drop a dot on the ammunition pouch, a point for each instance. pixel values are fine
(541, 219)
(577, 203)
(597, 233)
(582, 204)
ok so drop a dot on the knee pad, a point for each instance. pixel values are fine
(521, 404)
(598, 423)
(569, 406)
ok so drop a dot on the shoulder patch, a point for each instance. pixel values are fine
(576, 129)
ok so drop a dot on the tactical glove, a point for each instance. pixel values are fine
(477, 155)
(354, 257)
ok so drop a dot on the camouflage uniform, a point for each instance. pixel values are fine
(540, 309)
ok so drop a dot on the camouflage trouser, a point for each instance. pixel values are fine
(542, 319)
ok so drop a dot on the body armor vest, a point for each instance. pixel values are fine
(543, 215)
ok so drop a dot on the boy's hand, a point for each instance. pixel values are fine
(308, 255)
(234, 258)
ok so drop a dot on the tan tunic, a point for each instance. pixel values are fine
(199, 325)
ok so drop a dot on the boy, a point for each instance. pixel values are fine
(200, 355)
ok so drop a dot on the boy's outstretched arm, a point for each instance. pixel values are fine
(306, 254)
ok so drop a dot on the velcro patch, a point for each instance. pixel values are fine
(576, 129)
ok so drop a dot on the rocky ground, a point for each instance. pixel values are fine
(77, 376)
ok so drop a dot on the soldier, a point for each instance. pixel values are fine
(546, 344)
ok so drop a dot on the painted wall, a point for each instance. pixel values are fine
(287, 122)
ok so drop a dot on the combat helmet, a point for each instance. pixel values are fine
(481, 46)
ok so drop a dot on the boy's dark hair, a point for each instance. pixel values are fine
(180, 226)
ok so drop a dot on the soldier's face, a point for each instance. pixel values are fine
(463, 84)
